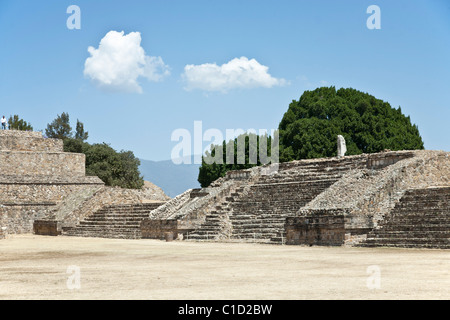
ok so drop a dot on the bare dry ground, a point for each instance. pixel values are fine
(38, 267)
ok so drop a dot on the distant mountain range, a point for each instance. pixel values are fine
(172, 178)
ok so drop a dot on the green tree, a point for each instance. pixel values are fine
(113, 168)
(240, 153)
(75, 145)
(60, 127)
(16, 123)
(310, 126)
(80, 134)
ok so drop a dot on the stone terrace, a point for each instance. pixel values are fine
(384, 199)
(36, 175)
(43, 189)
(116, 221)
(421, 219)
(258, 211)
(364, 199)
(333, 201)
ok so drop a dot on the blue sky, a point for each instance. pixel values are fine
(296, 46)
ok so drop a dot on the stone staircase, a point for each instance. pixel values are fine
(257, 212)
(216, 221)
(117, 221)
(420, 220)
(260, 216)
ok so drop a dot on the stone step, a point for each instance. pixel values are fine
(278, 240)
(121, 212)
(405, 245)
(419, 217)
(259, 224)
(108, 228)
(422, 206)
(104, 234)
(266, 238)
(121, 221)
(109, 222)
(107, 235)
(407, 242)
(84, 224)
(200, 237)
(257, 220)
(211, 228)
(128, 209)
(103, 228)
(415, 227)
(260, 229)
(411, 234)
(114, 217)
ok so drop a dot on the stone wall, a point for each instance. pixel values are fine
(172, 207)
(157, 229)
(39, 191)
(18, 134)
(326, 227)
(366, 196)
(14, 140)
(35, 176)
(19, 219)
(46, 228)
(42, 163)
(384, 159)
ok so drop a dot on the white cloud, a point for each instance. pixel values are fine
(120, 60)
(237, 73)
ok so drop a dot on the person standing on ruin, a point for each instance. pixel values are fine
(3, 123)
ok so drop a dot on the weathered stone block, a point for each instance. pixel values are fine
(320, 229)
(157, 229)
(42, 163)
(46, 228)
(25, 142)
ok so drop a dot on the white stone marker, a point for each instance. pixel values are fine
(342, 148)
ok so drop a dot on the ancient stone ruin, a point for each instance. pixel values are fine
(382, 199)
(44, 189)
(392, 198)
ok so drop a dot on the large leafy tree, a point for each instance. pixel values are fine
(113, 168)
(310, 126)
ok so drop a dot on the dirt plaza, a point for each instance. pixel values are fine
(41, 267)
